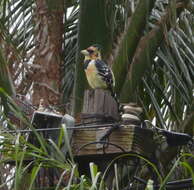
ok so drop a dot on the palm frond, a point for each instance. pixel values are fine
(69, 52)
(168, 84)
(17, 37)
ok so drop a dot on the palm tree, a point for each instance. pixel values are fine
(148, 44)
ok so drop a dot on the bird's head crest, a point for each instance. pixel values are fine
(98, 46)
(92, 52)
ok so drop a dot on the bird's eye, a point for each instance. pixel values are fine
(90, 51)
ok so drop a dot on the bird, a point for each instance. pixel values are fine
(99, 75)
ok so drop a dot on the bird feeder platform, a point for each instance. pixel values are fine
(124, 139)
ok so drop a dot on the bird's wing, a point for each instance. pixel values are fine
(105, 72)
(107, 75)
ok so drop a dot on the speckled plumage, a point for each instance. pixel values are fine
(98, 74)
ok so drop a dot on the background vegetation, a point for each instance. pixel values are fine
(148, 44)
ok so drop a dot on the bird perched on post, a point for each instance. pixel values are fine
(98, 74)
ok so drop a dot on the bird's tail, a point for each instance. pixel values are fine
(114, 95)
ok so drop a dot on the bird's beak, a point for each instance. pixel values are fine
(84, 52)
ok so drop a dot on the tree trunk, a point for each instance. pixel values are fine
(48, 57)
(48, 39)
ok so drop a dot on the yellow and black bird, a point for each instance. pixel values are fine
(98, 74)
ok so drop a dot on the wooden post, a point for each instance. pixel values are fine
(100, 102)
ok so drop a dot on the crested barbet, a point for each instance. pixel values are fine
(98, 74)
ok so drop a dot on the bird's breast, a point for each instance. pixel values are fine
(91, 69)
(94, 80)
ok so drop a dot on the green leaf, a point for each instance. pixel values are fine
(73, 171)
(189, 168)
(162, 185)
(93, 171)
(34, 174)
